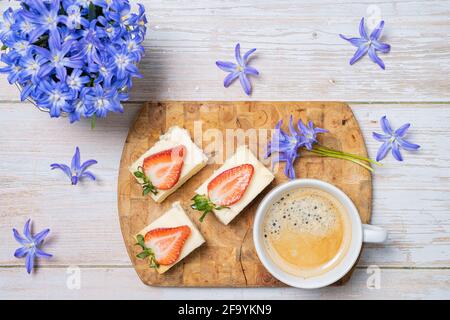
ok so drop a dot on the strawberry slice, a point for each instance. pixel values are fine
(163, 169)
(166, 243)
(229, 186)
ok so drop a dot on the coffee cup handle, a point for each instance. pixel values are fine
(372, 234)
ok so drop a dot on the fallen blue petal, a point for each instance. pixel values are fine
(383, 151)
(245, 83)
(230, 78)
(407, 145)
(400, 132)
(396, 152)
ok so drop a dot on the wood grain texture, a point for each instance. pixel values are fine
(300, 55)
(228, 258)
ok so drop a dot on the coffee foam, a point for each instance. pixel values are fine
(304, 215)
(312, 212)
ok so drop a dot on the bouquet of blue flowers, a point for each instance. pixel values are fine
(73, 56)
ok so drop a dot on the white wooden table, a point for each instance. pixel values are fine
(300, 57)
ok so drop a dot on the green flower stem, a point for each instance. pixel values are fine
(325, 149)
(93, 120)
(339, 156)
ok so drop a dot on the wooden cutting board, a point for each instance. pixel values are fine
(228, 259)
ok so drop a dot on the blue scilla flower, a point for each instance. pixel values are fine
(6, 26)
(240, 69)
(393, 140)
(106, 4)
(106, 29)
(120, 14)
(104, 69)
(368, 44)
(77, 170)
(12, 67)
(90, 44)
(132, 42)
(23, 26)
(141, 21)
(76, 80)
(44, 17)
(82, 3)
(57, 97)
(29, 90)
(31, 65)
(21, 46)
(104, 101)
(124, 62)
(73, 56)
(74, 19)
(31, 245)
(286, 146)
(58, 58)
(82, 107)
(309, 133)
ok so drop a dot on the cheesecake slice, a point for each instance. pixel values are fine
(172, 160)
(169, 239)
(233, 186)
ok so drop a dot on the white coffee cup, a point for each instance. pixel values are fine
(360, 233)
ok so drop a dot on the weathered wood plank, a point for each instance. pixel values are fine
(411, 199)
(300, 55)
(95, 283)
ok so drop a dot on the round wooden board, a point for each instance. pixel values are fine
(228, 258)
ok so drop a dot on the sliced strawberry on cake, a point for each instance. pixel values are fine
(229, 186)
(161, 171)
(168, 239)
(225, 189)
(163, 245)
(233, 186)
(160, 174)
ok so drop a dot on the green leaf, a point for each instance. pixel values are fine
(4, 47)
(203, 204)
(146, 252)
(203, 216)
(139, 174)
(140, 240)
(143, 254)
(147, 186)
(146, 191)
